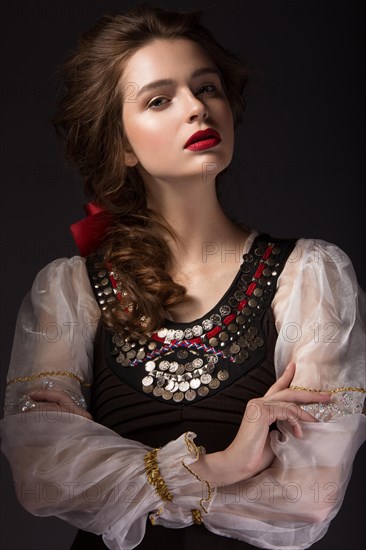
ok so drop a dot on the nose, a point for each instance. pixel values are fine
(196, 108)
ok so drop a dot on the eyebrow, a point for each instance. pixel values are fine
(168, 81)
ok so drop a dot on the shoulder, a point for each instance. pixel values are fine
(64, 282)
(61, 270)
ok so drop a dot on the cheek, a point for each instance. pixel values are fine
(148, 139)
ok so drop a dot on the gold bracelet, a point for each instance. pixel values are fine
(154, 476)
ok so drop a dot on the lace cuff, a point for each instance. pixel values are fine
(185, 495)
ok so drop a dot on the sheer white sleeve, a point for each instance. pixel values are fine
(320, 315)
(66, 465)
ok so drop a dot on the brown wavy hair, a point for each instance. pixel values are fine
(88, 120)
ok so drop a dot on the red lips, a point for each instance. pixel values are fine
(201, 135)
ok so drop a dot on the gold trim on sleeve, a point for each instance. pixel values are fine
(336, 390)
(209, 490)
(192, 447)
(50, 373)
(196, 516)
(154, 476)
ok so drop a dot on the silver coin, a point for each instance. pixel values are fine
(189, 367)
(169, 386)
(252, 346)
(234, 348)
(258, 292)
(210, 367)
(147, 389)
(223, 336)
(188, 333)
(150, 365)
(127, 346)
(253, 302)
(213, 342)
(216, 318)
(104, 282)
(253, 330)
(190, 395)
(206, 378)
(197, 363)
(147, 380)
(195, 383)
(142, 340)
(173, 366)
(152, 345)
(164, 365)
(240, 320)
(170, 334)
(107, 291)
(233, 327)
(239, 295)
(126, 363)
(120, 358)
(247, 311)
(203, 390)
(241, 357)
(197, 330)
(245, 268)
(160, 382)
(162, 332)
(225, 310)
(102, 274)
(223, 375)
(167, 395)
(233, 302)
(119, 341)
(212, 358)
(276, 250)
(180, 370)
(178, 396)
(207, 324)
(184, 386)
(157, 391)
(214, 384)
(178, 335)
(259, 341)
(182, 354)
(131, 354)
(140, 355)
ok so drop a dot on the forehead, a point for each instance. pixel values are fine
(163, 58)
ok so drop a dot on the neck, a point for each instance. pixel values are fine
(204, 232)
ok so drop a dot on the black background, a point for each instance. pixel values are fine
(298, 168)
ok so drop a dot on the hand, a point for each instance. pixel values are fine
(55, 400)
(250, 451)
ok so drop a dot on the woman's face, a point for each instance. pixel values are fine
(158, 121)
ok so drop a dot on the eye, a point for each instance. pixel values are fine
(156, 103)
(208, 89)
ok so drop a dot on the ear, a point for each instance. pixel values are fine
(130, 159)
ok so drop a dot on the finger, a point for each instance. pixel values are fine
(51, 396)
(284, 380)
(300, 396)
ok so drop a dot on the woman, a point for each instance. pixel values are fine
(260, 353)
